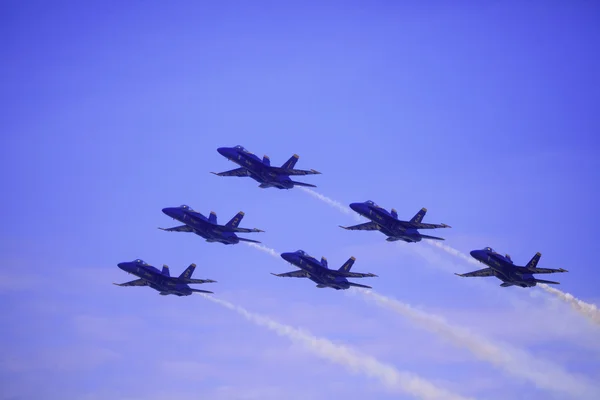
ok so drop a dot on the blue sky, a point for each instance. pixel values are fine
(484, 113)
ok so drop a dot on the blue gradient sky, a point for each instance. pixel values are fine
(486, 114)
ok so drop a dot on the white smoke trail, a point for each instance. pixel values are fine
(333, 203)
(543, 374)
(349, 358)
(453, 251)
(266, 249)
(590, 311)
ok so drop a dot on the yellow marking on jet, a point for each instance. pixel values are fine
(353, 258)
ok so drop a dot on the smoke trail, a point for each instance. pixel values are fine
(588, 310)
(332, 203)
(453, 251)
(349, 358)
(266, 249)
(516, 362)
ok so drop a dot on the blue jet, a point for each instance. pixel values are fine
(319, 273)
(388, 223)
(503, 268)
(162, 281)
(261, 170)
(208, 227)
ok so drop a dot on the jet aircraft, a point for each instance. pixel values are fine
(208, 227)
(388, 223)
(503, 268)
(162, 280)
(318, 272)
(261, 170)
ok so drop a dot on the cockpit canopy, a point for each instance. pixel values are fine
(371, 203)
(140, 261)
(241, 148)
(489, 249)
(186, 207)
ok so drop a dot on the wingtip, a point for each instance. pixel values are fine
(214, 173)
(314, 171)
(457, 274)
(273, 274)
(446, 226)
(563, 270)
(343, 227)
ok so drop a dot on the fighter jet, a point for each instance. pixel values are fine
(261, 170)
(503, 268)
(208, 227)
(318, 272)
(162, 281)
(388, 223)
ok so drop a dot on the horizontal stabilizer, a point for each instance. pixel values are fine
(431, 237)
(201, 291)
(248, 240)
(544, 281)
(187, 274)
(302, 184)
(359, 285)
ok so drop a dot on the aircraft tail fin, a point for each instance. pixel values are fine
(324, 261)
(347, 265)
(289, 164)
(534, 261)
(235, 221)
(303, 184)
(545, 281)
(212, 218)
(394, 213)
(165, 270)
(187, 274)
(431, 237)
(418, 218)
(248, 240)
(201, 291)
(359, 285)
(266, 161)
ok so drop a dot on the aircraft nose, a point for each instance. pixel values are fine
(123, 266)
(476, 254)
(224, 151)
(287, 256)
(358, 207)
(170, 211)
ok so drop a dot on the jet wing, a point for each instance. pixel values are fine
(243, 230)
(182, 228)
(480, 272)
(524, 270)
(200, 281)
(367, 226)
(354, 274)
(421, 225)
(137, 282)
(294, 274)
(287, 171)
(233, 172)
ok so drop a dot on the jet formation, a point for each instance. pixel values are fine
(261, 170)
(208, 227)
(162, 281)
(319, 272)
(389, 224)
(503, 268)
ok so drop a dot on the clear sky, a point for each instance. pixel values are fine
(486, 113)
